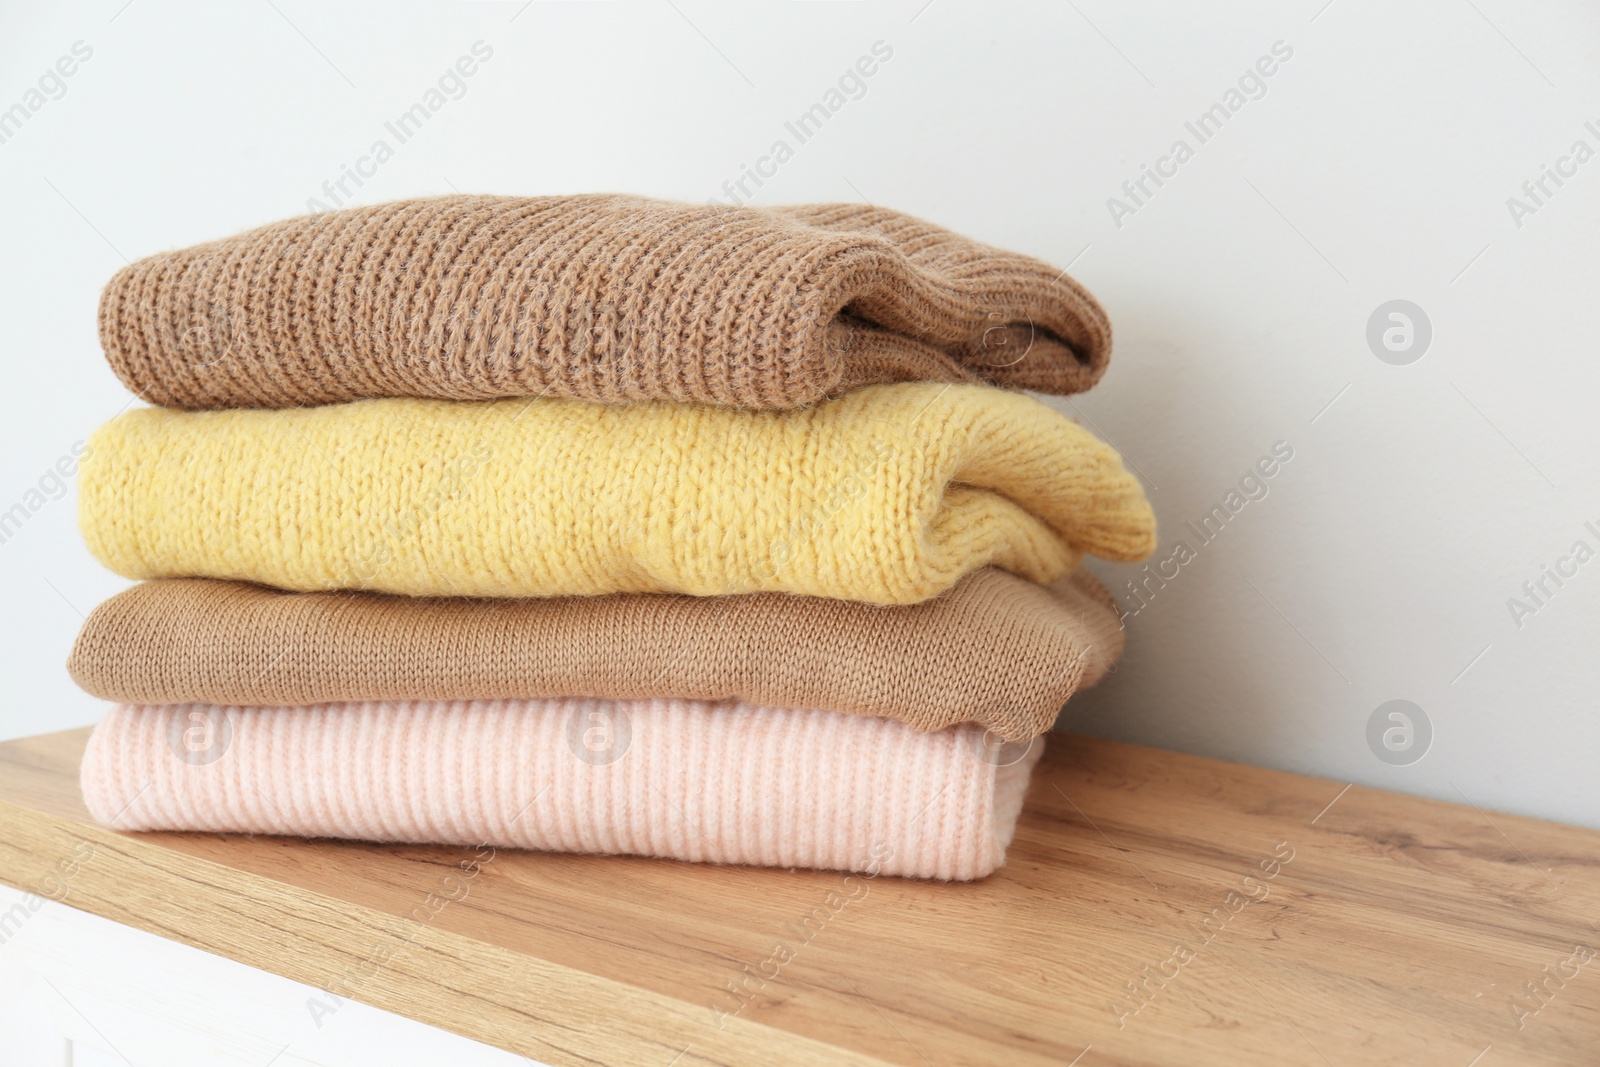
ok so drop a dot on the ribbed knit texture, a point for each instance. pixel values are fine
(600, 297)
(888, 495)
(995, 650)
(692, 781)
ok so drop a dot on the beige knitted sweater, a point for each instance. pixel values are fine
(996, 650)
(599, 297)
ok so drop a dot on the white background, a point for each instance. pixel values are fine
(1377, 166)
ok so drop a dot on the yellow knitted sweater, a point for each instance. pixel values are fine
(887, 494)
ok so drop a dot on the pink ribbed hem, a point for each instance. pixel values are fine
(690, 780)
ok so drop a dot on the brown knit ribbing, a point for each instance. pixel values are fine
(600, 297)
(995, 650)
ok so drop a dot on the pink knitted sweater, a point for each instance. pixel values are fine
(690, 780)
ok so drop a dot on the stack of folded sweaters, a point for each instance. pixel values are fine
(598, 524)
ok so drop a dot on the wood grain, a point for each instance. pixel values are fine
(1362, 928)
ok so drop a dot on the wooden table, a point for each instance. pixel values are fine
(1156, 909)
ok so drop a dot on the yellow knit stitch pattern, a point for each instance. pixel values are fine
(887, 494)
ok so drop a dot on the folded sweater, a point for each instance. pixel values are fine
(601, 297)
(996, 650)
(888, 494)
(681, 779)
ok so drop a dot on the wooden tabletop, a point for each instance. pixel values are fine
(1156, 909)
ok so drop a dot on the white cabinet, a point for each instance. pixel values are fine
(77, 990)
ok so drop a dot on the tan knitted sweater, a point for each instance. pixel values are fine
(599, 297)
(996, 649)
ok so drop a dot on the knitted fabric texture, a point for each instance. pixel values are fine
(600, 297)
(888, 494)
(995, 650)
(681, 779)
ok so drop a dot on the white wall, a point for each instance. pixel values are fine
(1377, 166)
